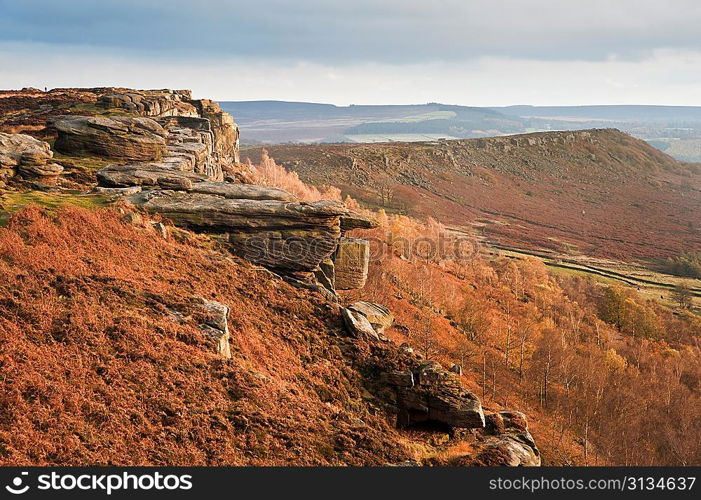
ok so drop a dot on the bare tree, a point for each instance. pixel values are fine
(425, 338)
(386, 191)
(682, 295)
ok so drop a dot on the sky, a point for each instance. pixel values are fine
(469, 52)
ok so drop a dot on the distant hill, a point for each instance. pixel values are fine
(673, 129)
(621, 113)
(601, 193)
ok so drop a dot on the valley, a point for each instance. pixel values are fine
(567, 196)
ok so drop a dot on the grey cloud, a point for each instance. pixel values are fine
(338, 32)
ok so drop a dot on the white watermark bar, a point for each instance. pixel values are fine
(329, 483)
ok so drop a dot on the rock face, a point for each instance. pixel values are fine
(283, 235)
(121, 138)
(226, 132)
(191, 146)
(26, 155)
(351, 261)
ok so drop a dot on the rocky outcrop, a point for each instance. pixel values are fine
(120, 138)
(438, 397)
(351, 261)
(225, 130)
(186, 183)
(425, 393)
(25, 155)
(283, 235)
(150, 103)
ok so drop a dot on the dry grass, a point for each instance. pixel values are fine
(96, 370)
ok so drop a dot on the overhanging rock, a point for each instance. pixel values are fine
(283, 235)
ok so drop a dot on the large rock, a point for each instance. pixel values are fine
(351, 262)
(429, 394)
(379, 316)
(165, 177)
(121, 138)
(216, 326)
(20, 153)
(326, 275)
(512, 444)
(284, 235)
(358, 325)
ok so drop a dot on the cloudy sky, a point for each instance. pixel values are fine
(471, 52)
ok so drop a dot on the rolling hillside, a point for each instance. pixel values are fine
(601, 193)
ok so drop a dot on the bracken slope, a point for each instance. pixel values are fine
(102, 364)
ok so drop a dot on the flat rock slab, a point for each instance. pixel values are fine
(242, 191)
(429, 393)
(283, 235)
(125, 191)
(147, 174)
(170, 177)
(123, 138)
(453, 408)
(356, 220)
(217, 214)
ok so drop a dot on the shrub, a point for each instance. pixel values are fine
(269, 173)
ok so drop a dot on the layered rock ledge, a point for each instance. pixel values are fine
(282, 235)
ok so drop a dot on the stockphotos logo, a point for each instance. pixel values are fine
(18, 487)
(103, 483)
